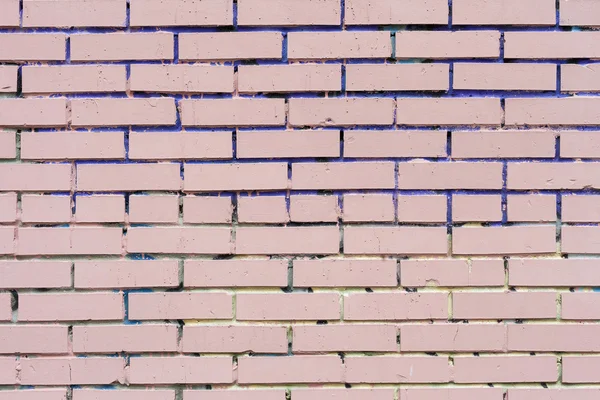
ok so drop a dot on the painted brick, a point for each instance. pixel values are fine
(339, 394)
(551, 45)
(507, 369)
(461, 44)
(128, 177)
(580, 369)
(122, 46)
(45, 209)
(580, 208)
(8, 78)
(453, 337)
(553, 272)
(234, 339)
(448, 111)
(80, 240)
(207, 210)
(98, 306)
(395, 306)
(33, 47)
(552, 176)
(504, 12)
(372, 77)
(351, 175)
(179, 240)
(233, 112)
(176, 146)
(309, 208)
(177, 13)
(8, 236)
(72, 371)
(553, 337)
(34, 339)
(468, 208)
(378, 144)
(448, 273)
(390, 12)
(126, 274)
(262, 209)
(289, 12)
(579, 145)
(8, 207)
(9, 13)
(5, 315)
(552, 111)
(287, 306)
(455, 175)
(180, 370)
(8, 144)
(344, 273)
(580, 306)
(368, 208)
(324, 338)
(395, 240)
(154, 208)
(530, 239)
(507, 305)
(124, 394)
(340, 111)
(287, 240)
(160, 306)
(72, 145)
(397, 369)
(287, 144)
(297, 369)
(423, 208)
(181, 78)
(126, 338)
(230, 46)
(235, 273)
(37, 394)
(574, 78)
(557, 394)
(220, 177)
(580, 239)
(531, 208)
(452, 393)
(73, 13)
(100, 208)
(289, 78)
(582, 12)
(255, 394)
(333, 45)
(121, 112)
(33, 112)
(503, 144)
(35, 274)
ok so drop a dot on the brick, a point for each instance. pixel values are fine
(504, 305)
(45, 209)
(234, 339)
(368, 208)
(553, 394)
(227, 394)
(397, 369)
(80, 240)
(580, 369)
(9, 15)
(556, 111)
(452, 393)
(235, 177)
(74, 78)
(395, 240)
(287, 240)
(555, 337)
(176, 13)
(468, 208)
(453, 338)
(289, 12)
(297, 369)
(179, 240)
(8, 239)
(33, 112)
(448, 111)
(181, 78)
(553, 272)
(393, 12)
(233, 112)
(580, 239)
(531, 208)
(188, 305)
(340, 175)
(379, 144)
(235, 273)
(35, 274)
(397, 77)
(345, 273)
(33, 47)
(73, 13)
(422, 208)
(580, 306)
(330, 338)
(289, 78)
(579, 144)
(128, 177)
(395, 306)
(552, 176)
(583, 12)
(453, 175)
(551, 45)
(97, 306)
(230, 46)
(579, 78)
(122, 394)
(314, 208)
(72, 371)
(580, 208)
(123, 112)
(33, 339)
(72, 145)
(448, 273)
(126, 274)
(334, 45)
(340, 111)
(503, 369)
(5, 314)
(154, 208)
(100, 208)
(461, 44)
(288, 144)
(504, 12)
(207, 210)
(8, 143)
(262, 209)
(8, 207)
(347, 394)
(124, 338)
(181, 370)
(8, 78)
(503, 144)
(37, 394)
(287, 307)
(122, 46)
(526, 239)
(180, 145)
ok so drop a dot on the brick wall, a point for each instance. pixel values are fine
(299, 200)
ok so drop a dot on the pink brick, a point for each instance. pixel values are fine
(289, 12)
(234, 339)
(8, 142)
(372, 77)
(448, 111)
(503, 144)
(126, 274)
(124, 338)
(8, 75)
(128, 177)
(454, 175)
(395, 306)
(181, 370)
(5, 311)
(122, 46)
(80, 240)
(553, 272)
(100, 306)
(340, 111)
(551, 45)
(45, 209)
(33, 339)
(9, 15)
(397, 369)
(461, 44)
(230, 46)
(449, 272)
(233, 112)
(504, 12)
(340, 175)
(505, 369)
(37, 394)
(575, 77)
(8, 374)
(74, 78)
(72, 145)
(288, 144)
(72, 13)
(207, 210)
(579, 144)
(179, 240)
(453, 338)
(580, 306)
(289, 78)
(287, 240)
(33, 46)
(122, 394)
(472, 393)
(263, 209)
(177, 146)
(35, 274)
(296, 369)
(177, 13)
(395, 240)
(531, 208)
(506, 305)
(333, 45)
(582, 12)
(345, 273)
(553, 176)
(396, 12)
(368, 208)
(233, 394)
(330, 338)
(116, 112)
(189, 305)
(154, 208)
(468, 208)
(8, 239)
(33, 112)
(377, 144)
(552, 111)
(8, 207)
(287, 306)
(235, 273)
(314, 208)
(567, 337)
(72, 371)
(525, 239)
(343, 394)
(580, 208)
(423, 208)
(235, 177)
(580, 369)
(181, 78)
(553, 394)
(580, 239)
(100, 208)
